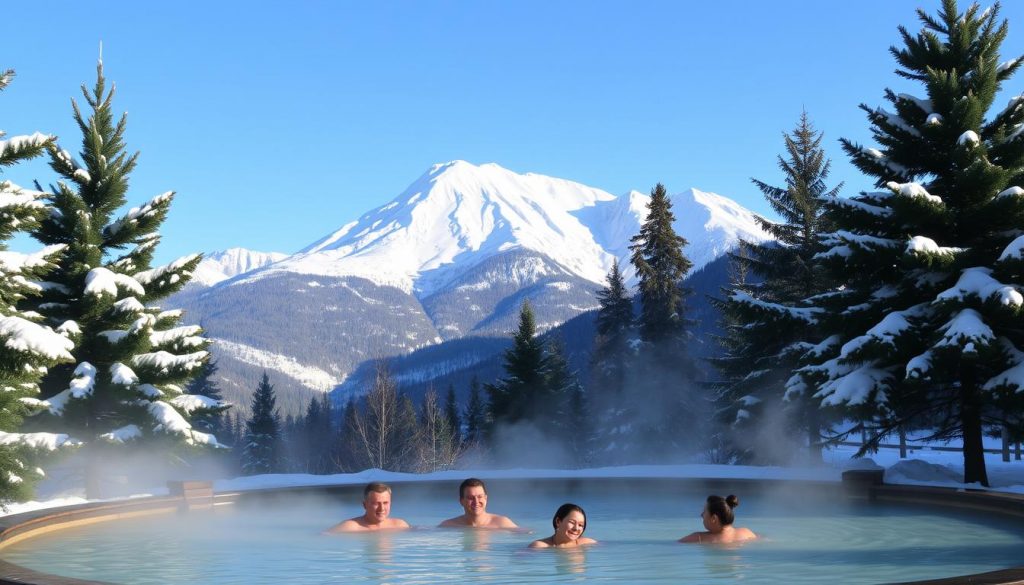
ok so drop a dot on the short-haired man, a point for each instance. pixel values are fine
(377, 506)
(473, 497)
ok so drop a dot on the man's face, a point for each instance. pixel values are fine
(474, 500)
(377, 506)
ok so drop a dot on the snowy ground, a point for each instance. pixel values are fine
(923, 466)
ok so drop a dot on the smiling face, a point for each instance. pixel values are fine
(377, 506)
(571, 527)
(474, 500)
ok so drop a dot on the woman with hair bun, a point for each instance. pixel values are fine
(718, 518)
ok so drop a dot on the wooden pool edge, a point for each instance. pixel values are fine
(856, 485)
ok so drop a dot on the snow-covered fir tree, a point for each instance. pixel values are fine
(262, 448)
(27, 348)
(205, 384)
(926, 326)
(131, 359)
(768, 327)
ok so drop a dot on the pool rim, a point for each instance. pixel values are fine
(856, 485)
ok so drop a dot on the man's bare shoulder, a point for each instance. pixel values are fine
(499, 521)
(455, 522)
(350, 525)
(395, 523)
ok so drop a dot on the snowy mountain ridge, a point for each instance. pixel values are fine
(220, 266)
(457, 215)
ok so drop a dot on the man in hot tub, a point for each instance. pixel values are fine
(473, 497)
(377, 504)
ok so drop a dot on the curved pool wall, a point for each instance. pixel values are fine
(194, 497)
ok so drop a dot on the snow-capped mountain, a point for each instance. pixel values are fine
(451, 258)
(220, 266)
(458, 215)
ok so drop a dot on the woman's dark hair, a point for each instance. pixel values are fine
(722, 507)
(566, 509)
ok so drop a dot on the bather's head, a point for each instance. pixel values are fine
(377, 501)
(718, 512)
(570, 519)
(473, 496)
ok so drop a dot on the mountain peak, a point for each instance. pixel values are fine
(458, 215)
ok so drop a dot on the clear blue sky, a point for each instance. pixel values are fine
(276, 123)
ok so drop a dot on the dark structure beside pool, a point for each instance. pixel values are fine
(198, 498)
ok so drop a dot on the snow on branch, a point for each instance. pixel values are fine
(884, 160)
(807, 315)
(188, 403)
(897, 121)
(168, 420)
(913, 190)
(966, 330)
(14, 262)
(1013, 251)
(925, 245)
(123, 434)
(149, 276)
(20, 143)
(919, 366)
(122, 375)
(164, 362)
(969, 138)
(102, 281)
(925, 105)
(25, 336)
(861, 206)
(42, 441)
(189, 334)
(978, 281)
(885, 331)
(136, 213)
(128, 305)
(1011, 192)
(854, 385)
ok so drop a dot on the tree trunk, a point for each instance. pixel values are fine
(1016, 451)
(903, 442)
(974, 447)
(1006, 443)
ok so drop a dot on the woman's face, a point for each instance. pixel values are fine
(572, 526)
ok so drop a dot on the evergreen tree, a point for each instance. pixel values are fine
(26, 348)
(569, 423)
(662, 399)
(768, 327)
(660, 267)
(204, 384)
(262, 443)
(347, 455)
(316, 433)
(451, 413)
(614, 325)
(476, 413)
(521, 395)
(131, 359)
(925, 327)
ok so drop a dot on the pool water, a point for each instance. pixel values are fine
(807, 538)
